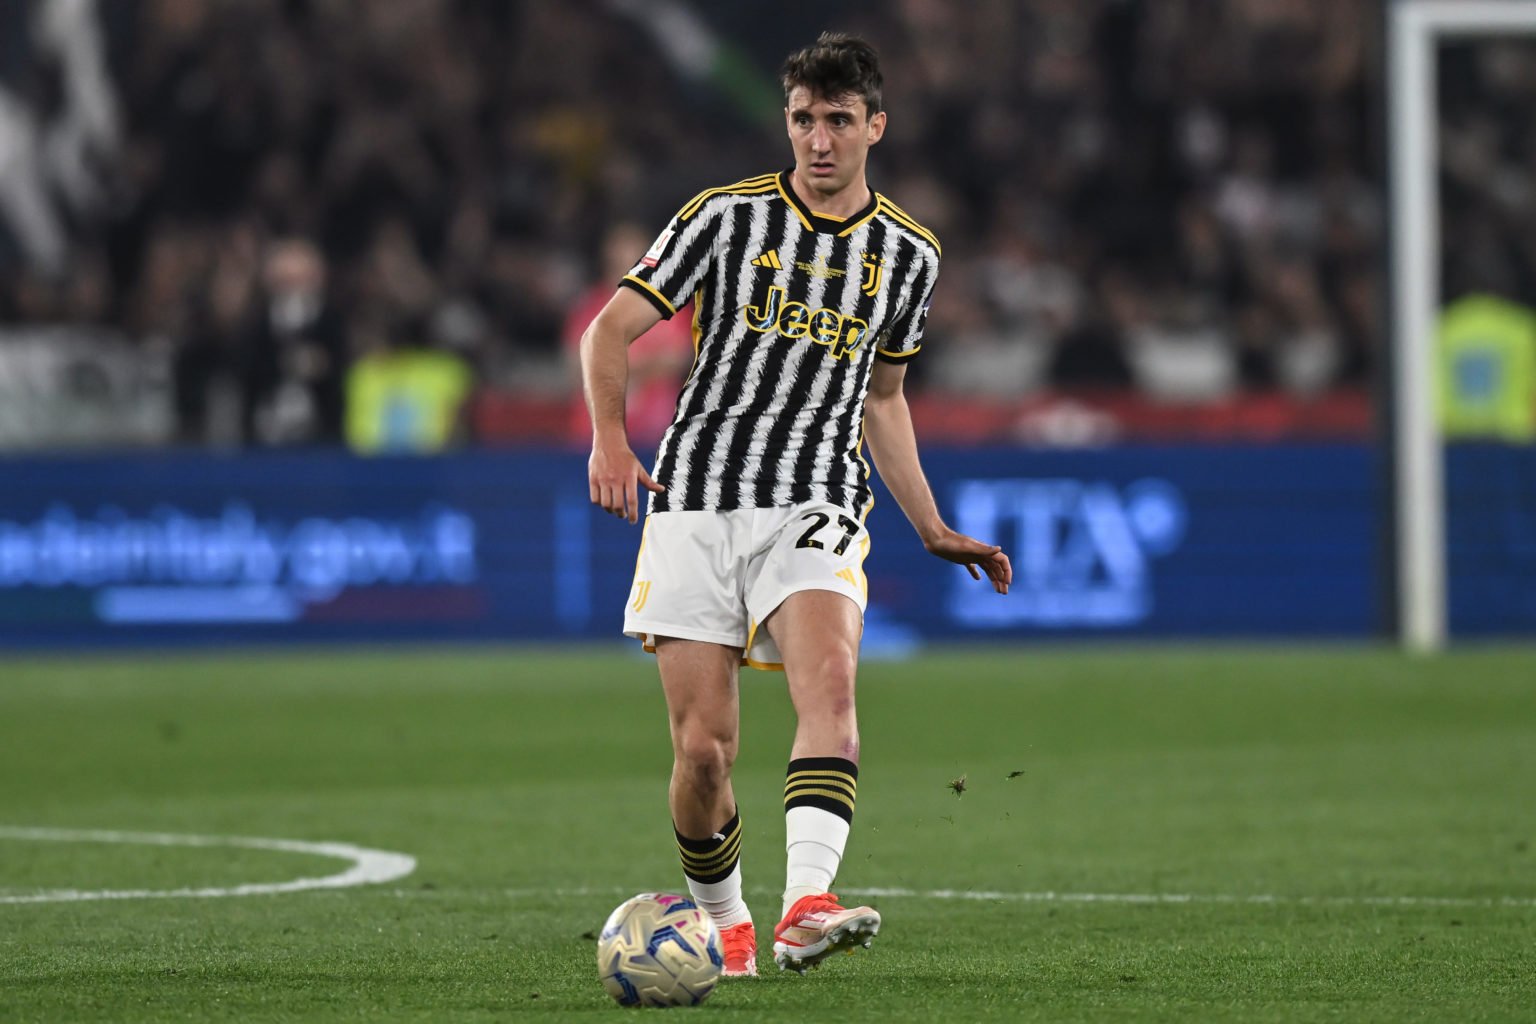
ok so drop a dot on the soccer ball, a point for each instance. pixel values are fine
(658, 949)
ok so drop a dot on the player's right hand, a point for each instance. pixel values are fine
(615, 476)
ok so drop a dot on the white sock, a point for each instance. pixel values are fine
(814, 843)
(722, 899)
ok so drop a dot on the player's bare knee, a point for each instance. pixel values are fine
(833, 674)
(706, 758)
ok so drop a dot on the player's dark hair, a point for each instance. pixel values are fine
(834, 66)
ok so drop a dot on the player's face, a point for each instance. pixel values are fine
(831, 138)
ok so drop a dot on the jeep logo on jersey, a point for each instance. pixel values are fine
(842, 335)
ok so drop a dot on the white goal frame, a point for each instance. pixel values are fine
(1414, 29)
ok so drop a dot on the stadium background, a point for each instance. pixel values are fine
(262, 265)
(289, 445)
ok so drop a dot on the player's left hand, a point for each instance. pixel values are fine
(972, 553)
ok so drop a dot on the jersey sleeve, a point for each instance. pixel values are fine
(676, 262)
(904, 338)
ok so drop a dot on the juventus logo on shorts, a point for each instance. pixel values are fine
(642, 594)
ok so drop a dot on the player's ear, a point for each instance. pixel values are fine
(876, 127)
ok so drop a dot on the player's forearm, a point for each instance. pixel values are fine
(893, 444)
(604, 379)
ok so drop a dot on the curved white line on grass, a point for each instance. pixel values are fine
(988, 896)
(369, 867)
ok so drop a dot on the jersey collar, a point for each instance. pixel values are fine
(819, 221)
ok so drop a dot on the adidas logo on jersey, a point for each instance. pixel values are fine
(769, 259)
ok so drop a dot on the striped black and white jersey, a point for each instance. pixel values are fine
(791, 308)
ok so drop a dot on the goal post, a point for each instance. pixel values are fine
(1414, 31)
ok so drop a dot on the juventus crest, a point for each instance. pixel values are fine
(874, 270)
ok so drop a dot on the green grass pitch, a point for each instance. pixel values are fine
(1355, 832)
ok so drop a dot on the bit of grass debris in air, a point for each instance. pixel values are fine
(958, 785)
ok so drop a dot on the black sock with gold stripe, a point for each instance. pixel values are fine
(713, 859)
(827, 783)
(713, 869)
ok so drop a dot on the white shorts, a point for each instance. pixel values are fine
(715, 576)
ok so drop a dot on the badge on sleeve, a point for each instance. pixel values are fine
(653, 255)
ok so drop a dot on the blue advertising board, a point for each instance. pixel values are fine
(1142, 542)
(1491, 539)
(163, 549)
(1197, 541)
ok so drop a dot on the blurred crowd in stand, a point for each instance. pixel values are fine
(307, 202)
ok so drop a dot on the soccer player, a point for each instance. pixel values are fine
(810, 292)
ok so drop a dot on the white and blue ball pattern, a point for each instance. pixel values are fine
(659, 949)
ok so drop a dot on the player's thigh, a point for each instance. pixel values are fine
(817, 633)
(808, 594)
(701, 684)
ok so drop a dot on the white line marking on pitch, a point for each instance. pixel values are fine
(1190, 897)
(369, 867)
(986, 896)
